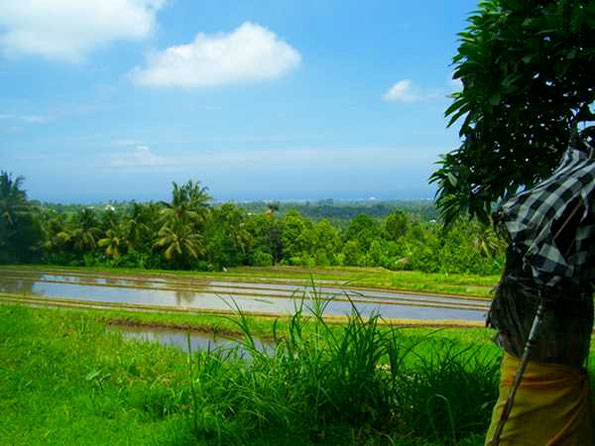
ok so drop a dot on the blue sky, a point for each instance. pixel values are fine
(300, 99)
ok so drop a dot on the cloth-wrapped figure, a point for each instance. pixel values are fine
(550, 262)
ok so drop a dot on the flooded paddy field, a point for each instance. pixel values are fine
(187, 341)
(219, 295)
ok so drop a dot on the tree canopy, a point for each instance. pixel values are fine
(528, 80)
(190, 232)
(19, 229)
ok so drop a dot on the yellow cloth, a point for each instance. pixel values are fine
(551, 407)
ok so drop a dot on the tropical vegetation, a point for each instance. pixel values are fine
(528, 85)
(191, 232)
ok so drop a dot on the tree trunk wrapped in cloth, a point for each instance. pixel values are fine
(549, 272)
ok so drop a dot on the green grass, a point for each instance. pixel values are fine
(67, 379)
(414, 281)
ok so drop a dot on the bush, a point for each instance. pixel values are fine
(261, 258)
(89, 259)
(321, 258)
(358, 381)
(352, 255)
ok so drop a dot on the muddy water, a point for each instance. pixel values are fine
(221, 295)
(179, 339)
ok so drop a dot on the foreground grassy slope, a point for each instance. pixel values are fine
(67, 379)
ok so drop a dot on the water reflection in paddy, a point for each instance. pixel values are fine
(217, 295)
(179, 339)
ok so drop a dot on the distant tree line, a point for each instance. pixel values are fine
(190, 232)
(340, 212)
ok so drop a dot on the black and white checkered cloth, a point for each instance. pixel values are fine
(531, 218)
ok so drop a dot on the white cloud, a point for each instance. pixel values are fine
(140, 156)
(30, 119)
(35, 119)
(66, 30)
(125, 142)
(249, 53)
(406, 91)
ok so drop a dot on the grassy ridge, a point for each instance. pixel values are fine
(67, 379)
(227, 322)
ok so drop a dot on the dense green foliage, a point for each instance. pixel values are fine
(190, 233)
(355, 384)
(20, 231)
(528, 75)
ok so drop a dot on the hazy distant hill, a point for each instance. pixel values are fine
(346, 210)
(335, 210)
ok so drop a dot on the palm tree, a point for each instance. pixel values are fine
(197, 194)
(13, 200)
(86, 231)
(232, 221)
(272, 207)
(136, 227)
(21, 235)
(180, 245)
(189, 204)
(112, 242)
(109, 219)
(181, 219)
(487, 241)
(274, 234)
(53, 225)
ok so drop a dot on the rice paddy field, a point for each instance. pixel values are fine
(413, 281)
